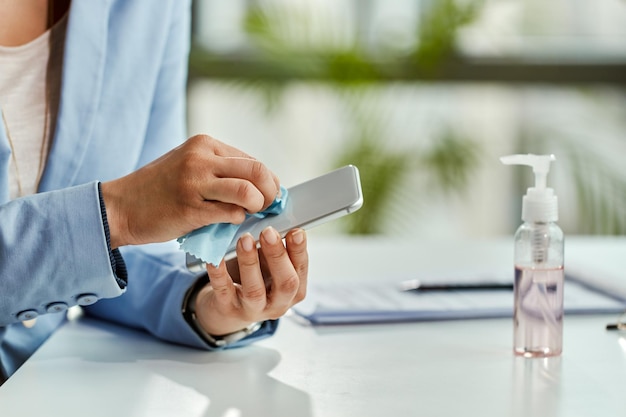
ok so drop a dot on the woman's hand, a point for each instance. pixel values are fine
(201, 182)
(271, 280)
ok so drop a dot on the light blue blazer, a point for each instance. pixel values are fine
(122, 105)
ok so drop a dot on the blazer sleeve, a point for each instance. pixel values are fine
(54, 253)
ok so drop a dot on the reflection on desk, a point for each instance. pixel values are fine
(440, 368)
(96, 368)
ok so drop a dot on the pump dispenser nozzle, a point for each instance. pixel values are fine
(539, 204)
(539, 163)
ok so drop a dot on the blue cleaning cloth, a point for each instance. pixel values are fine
(210, 243)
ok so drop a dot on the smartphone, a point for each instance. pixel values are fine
(309, 204)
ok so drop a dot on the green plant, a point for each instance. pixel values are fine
(284, 40)
(382, 172)
(437, 31)
(347, 66)
(451, 159)
(385, 172)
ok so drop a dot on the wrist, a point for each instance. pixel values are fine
(221, 336)
(209, 317)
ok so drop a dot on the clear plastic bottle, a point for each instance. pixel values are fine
(539, 274)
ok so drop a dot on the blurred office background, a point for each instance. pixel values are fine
(424, 96)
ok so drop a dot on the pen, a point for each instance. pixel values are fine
(620, 324)
(416, 285)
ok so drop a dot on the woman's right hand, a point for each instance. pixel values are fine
(203, 181)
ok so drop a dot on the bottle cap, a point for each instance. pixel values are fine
(540, 204)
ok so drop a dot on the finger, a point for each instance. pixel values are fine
(235, 191)
(265, 181)
(221, 283)
(285, 280)
(233, 163)
(210, 212)
(299, 256)
(254, 295)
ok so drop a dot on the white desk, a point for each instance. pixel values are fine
(454, 368)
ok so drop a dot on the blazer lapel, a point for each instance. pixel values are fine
(81, 87)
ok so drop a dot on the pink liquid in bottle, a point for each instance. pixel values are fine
(538, 311)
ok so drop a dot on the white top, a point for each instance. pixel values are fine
(24, 101)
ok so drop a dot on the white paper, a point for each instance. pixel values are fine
(354, 302)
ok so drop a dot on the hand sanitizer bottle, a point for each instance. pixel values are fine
(539, 275)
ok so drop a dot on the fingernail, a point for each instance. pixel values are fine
(247, 242)
(270, 235)
(298, 237)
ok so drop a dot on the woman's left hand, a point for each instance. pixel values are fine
(270, 281)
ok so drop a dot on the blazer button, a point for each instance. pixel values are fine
(56, 307)
(86, 299)
(27, 315)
